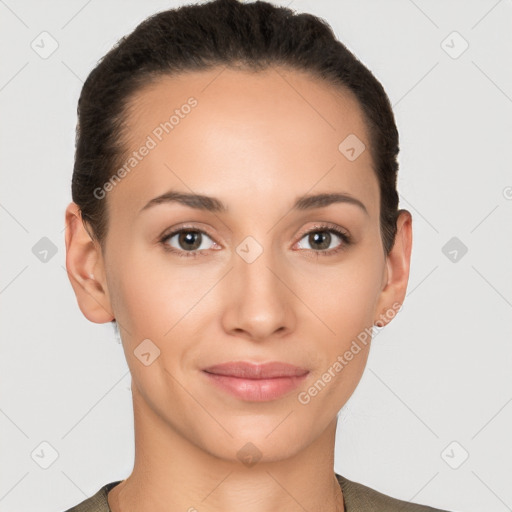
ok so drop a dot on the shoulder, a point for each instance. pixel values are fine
(96, 503)
(360, 498)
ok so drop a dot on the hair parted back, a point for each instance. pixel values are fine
(220, 33)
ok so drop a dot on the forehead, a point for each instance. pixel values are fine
(276, 94)
(230, 133)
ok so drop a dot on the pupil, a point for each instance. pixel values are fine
(319, 237)
(187, 237)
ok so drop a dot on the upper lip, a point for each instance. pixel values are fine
(248, 370)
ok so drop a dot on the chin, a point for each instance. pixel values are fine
(260, 439)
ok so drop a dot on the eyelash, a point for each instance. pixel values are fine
(323, 228)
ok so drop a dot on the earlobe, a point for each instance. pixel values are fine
(397, 271)
(84, 265)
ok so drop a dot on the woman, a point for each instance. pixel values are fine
(235, 214)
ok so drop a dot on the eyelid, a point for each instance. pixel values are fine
(175, 230)
(325, 226)
(185, 227)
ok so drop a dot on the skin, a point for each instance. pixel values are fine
(256, 142)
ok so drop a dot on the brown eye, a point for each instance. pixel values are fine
(321, 239)
(187, 241)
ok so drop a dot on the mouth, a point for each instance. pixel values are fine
(256, 382)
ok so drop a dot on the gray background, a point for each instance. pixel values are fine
(437, 387)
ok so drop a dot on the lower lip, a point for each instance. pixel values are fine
(256, 390)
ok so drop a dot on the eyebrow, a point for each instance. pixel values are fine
(212, 204)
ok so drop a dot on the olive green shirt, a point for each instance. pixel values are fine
(357, 498)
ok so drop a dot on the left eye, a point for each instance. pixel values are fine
(321, 239)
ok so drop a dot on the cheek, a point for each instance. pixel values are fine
(346, 298)
(158, 299)
(143, 297)
(347, 307)
(346, 304)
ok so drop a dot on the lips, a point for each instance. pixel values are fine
(248, 370)
(253, 382)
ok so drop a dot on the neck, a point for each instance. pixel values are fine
(172, 473)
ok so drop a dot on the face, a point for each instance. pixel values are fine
(260, 273)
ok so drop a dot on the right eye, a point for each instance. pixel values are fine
(189, 242)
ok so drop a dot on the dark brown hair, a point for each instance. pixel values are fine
(220, 33)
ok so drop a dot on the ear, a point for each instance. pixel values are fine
(85, 268)
(397, 271)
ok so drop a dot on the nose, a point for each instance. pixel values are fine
(259, 302)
